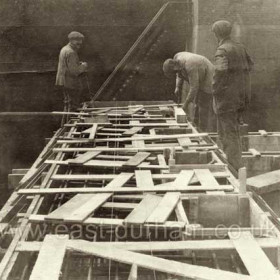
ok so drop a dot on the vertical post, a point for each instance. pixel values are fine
(171, 160)
(242, 177)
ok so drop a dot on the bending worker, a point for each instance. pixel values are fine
(231, 90)
(197, 71)
(69, 69)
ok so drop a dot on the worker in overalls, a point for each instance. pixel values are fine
(68, 72)
(197, 71)
(231, 90)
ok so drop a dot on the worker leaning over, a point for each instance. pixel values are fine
(231, 90)
(69, 69)
(198, 72)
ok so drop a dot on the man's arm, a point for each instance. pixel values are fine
(74, 66)
(179, 84)
(221, 71)
(194, 86)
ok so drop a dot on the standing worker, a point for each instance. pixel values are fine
(198, 72)
(69, 70)
(231, 90)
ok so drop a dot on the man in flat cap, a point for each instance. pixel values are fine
(69, 70)
(231, 90)
(198, 72)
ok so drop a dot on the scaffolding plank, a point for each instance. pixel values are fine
(267, 182)
(84, 210)
(155, 263)
(133, 272)
(120, 180)
(163, 210)
(253, 257)
(81, 159)
(82, 206)
(184, 178)
(144, 179)
(206, 178)
(132, 131)
(68, 207)
(50, 258)
(137, 159)
(143, 210)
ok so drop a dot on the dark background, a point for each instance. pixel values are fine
(32, 33)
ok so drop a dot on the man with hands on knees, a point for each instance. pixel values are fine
(198, 72)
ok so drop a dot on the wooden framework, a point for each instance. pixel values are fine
(134, 192)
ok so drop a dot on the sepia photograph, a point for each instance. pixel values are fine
(139, 139)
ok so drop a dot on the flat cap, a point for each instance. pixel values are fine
(75, 35)
(222, 28)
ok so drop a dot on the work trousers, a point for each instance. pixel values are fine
(228, 132)
(204, 114)
(71, 99)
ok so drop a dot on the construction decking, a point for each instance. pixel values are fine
(135, 191)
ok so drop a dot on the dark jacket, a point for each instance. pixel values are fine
(69, 68)
(231, 86)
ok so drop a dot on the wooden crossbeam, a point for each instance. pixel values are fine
(50, 258)
(170, 246)
(253, 257)
(163, 210)
(141, 212)
(155, 263)
(123, 190)
(107, 177)
(150, 138)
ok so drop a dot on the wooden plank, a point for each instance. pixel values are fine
(206, 178)
(154, 263)
(81, 159)
(119, 181)
(133, 273)
(181, 213)
(87, 208)
(185, 142)
(159, 246)
(164, 209)
(68, 207)
(122, 190)
(265, 183)
(132, 131)
(141, 212)
(83, 205)
(137, 159)
(253, 257)
(149, 138)
(50, 258)
(137, 143)
(92, 132)
(184, 178)
(255, 153)
(263, 132)
(144, 179)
